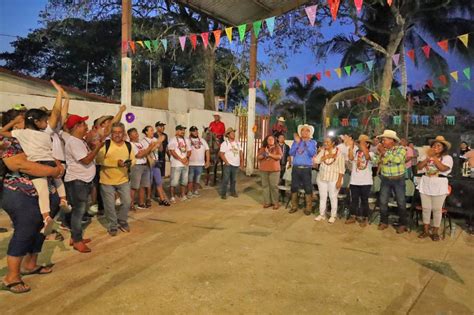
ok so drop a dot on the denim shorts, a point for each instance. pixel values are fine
(195, 174)
(179, 176)
(140, 176)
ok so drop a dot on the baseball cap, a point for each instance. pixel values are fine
(180, 127)
(193, 128)
(159, 123)
(19, 107)
(73, 120)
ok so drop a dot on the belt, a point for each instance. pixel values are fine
(141, 164)
(394, 177)
(302, 166)
(437, 175)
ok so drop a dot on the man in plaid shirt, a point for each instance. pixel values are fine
(391, 159)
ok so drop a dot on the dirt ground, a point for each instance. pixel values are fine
(213, 256)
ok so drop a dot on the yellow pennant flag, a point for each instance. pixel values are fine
(338, 72)
(228, 31)
(454, 74)
(464, 39)
(328, 122)
(264, 84)
(140, 43)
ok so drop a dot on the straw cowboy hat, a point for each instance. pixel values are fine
(281, 118)
(229, 130)
(389, 134)
(364, 138)
(441, 140)
(311, 129)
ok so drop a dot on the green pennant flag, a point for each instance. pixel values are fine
(359, 67)
(257, 26)
(467, 73)
(376, 121)
(335, 122)
(242, 28)
(148, 44)
(397, 120)
(155, 44)
(348, 69)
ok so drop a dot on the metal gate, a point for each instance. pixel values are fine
(263, 128)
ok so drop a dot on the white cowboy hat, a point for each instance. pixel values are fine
(216, 114)
(281, 118)
(387, 133)
(311, 129)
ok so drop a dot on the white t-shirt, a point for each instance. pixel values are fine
(199, 147)
(58, 142)
(344, 151)
(361, 173)
(231, 152)
(36, 144)
(181, 147)
(137, 147)
(76, 150)
(434, 185)
(146, 143)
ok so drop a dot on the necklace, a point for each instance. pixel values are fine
(362, 162)
(300, 150)
(181, 145)
(431, 168)
(330, 160)
(197, 145)
(233, 148)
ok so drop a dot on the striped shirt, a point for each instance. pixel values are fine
(392, 164)
(330, 169)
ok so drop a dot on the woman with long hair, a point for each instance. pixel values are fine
(269, 156)
(434, 184)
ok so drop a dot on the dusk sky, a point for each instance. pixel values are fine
(17, 17)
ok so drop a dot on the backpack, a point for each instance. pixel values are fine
(129, 148)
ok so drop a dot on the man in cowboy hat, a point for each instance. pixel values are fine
(302, 151)
(217, 127)
(233, 158)
(391, 158)
(279, 127)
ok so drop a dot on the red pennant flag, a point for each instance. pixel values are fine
(444, 45)
(328, 73)
(217, 37)
(318, 76)
(193, 39)
(358, 4)
(124, 46)
(345, 122)
(205, 39)
(365, 121)
(429, 83)
(308, 77)
(252, 84)
(334, 7)
(257, 85)
(426, 50)
(389, 2)
(411, 54)
(132, 45)
(369, 98)
(442, 79)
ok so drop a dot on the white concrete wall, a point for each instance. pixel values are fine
(143, 116)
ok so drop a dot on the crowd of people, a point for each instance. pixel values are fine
(57, 171)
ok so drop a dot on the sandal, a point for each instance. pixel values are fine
(39, 270)
(11, 287)
(424, 235)
(435, 237)
(165, 203)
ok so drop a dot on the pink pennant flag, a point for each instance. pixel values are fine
(429, 83)
(426, 50)
(411, 54)
(328, 73)
(442, 79)
(334, 7)
(124, 46)
(217, 37)
(205, 39)
(193, 38)
(309, 77)
(444, 45)
(389, 2)
(182, 42)
(311, 13)
(318, 76)
(358, 4)
(396, 59)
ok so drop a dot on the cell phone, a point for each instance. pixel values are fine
(127, 162)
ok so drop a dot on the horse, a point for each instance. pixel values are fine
(214, 147)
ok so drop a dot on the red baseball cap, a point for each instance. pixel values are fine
(73, 120)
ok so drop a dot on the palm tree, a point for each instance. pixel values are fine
(300, 92)
(382, 31)
(270, 97)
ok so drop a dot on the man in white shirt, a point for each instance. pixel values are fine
(200, 157)
(79, 177)
(179, 149)
(231, 153)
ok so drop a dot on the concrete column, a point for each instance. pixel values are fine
(126, 71)
(251, 105)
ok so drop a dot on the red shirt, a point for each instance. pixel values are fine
(217, 127)
(277, 128)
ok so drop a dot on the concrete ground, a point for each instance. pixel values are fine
(213, 256)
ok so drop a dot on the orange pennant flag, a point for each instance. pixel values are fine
(217, 37)
(193, 39)
(228, 31)
(328, 73)
(338, 72)
(411, 54)
(444, 45)
(132, 45)
(464, 39)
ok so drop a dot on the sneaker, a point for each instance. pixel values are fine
(124, 227)
(351, 219)
(148, 203)
(223, 197)
(141, 207)
(184, 198)
(81, 247)
(332, 219)
(118, 202)
(234, 195)
(173, 200)
(320, 218)
(93, 209)
(133, 208)
(196, 193)
(189, 195)
(113, 232)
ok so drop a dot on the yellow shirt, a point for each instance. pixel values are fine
(110, 172)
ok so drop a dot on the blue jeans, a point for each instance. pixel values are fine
(108, 196)
(25, 215)
(386, 188)
(230, 176)
(78, 193)
(195, 174)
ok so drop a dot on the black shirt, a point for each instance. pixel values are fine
(162, 153)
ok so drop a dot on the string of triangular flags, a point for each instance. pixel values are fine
(413, 119)
(368, 65)
(153, 45)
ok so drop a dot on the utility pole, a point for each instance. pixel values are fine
(126, 72)
(251, 105)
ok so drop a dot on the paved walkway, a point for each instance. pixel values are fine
(213, 256)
